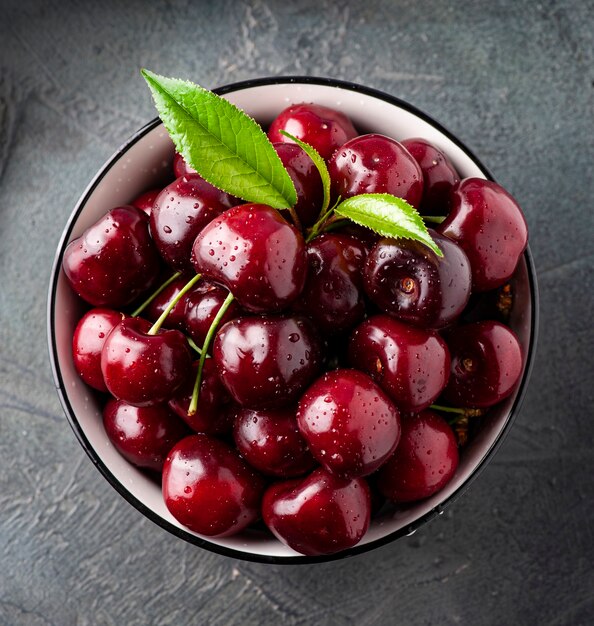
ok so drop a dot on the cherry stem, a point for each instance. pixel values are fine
(460, 413)
(433, 219)
(448, 409)
(295, 219)
(143, 306)
(154, 329)
(193, 345)
(205, 346)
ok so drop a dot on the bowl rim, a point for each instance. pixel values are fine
(139, 505)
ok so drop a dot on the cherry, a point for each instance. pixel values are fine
(180, 212)
(181, 168)
(89, 336)
(333, 293)
(211, 416)
(144, 369)
(486, 221)
(266, 362)
(142, 435)
(486, 364)
(146, 200)
(256, 254)
(439, 175)
(177, 316)
(319, 514)
(410, 282)
(209, 488)
(202, 304)
(113, 261)
(307, 181)
(375, 164)
(349, 423)
(410, 364)
(321, 127)
(424, 462)
(269, 440)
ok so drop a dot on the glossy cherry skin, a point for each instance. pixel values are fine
(143, 435)
(87, 342)
(211, 416)
(410, 282)
(424, 462)
(177, 316)
(307, 181)
(201, 305)
(256, 254)
(321, 127)
(209, 488)
(319, 514)
(410, 364)
(269, 440)
(486, 221)
(181, 168)
(375, 164)
(333, 296)
(266, 362)
(146, 200)
(113, 261)
(486, 364)
(439, 175)
(350, 425)
(144, 369)
(180, 212)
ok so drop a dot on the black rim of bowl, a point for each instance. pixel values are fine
(180, 532)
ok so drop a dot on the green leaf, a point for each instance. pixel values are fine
(319, 162)
(221, 142)
(388, 216)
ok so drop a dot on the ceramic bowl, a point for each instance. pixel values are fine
(144, 162)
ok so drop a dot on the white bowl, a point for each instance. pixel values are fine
(144, 162)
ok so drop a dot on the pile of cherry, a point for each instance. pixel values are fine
(314, 401)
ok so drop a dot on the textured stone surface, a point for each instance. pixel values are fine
(515, 81)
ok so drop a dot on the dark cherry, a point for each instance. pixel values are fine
(114, 260)
(486, 364)
(323, 128)
(486, 221)
(143, 435)
(333, 295)
(146, 200)
(211, 416)
(424, 462)
(266, 362)
(144, 369)
(256, 254)
(269, 440)
(209, 488)
(89, 336)
(410, 282)
(410, 364)
(177, 315)
(375, 164)
(202, 303)
(181, 168)
(307, 181)
(439, 175)
(180, 212)
(319, 514)
(350, 425)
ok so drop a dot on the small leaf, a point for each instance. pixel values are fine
(388, 216)
(221, 142)
(319, 162)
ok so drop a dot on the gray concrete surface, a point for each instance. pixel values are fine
(515, 81)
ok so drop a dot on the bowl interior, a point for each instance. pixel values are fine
(145, 162)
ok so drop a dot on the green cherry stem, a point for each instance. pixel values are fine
(460, 413)
(143, 306)
(154, 329)
(205, 346)
(295, 218)
(433, 219)
(193, 345)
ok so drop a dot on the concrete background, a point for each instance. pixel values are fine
(514, 80)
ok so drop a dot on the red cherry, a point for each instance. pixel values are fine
(177, 316)
(424, 462)
(142, 435)
(319, 514)
(349, 423)
(181, 168)
(146, 200)
(209, 488)
(144, 369)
